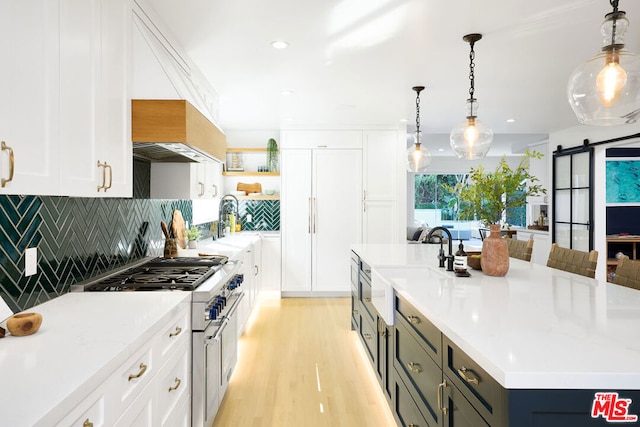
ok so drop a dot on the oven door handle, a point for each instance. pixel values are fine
(216, 337)
(234, 306)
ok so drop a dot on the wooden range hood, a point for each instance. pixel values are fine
(174, 131)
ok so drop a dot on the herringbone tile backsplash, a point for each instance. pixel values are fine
(77, 238)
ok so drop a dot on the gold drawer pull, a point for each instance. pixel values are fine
(356, 312)
(175, 387)
(367, 336)
(176, 333)
(441, 387)
(11, 163)
(87, 423)
(366, 299)
(463, 373)
(414, 367)
(143, 369)
(110, 176)
(413, 319)
(413, 425)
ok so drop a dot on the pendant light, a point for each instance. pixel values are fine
(605, 90)
(472, 138)
(418, 157)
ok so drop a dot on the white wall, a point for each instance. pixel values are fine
(574, 137)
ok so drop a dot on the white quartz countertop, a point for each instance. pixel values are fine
(83, 338)
(537, 327)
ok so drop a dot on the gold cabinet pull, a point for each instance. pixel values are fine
(414, 367)
(11, 164)
(143, 369)
(176, 333)
(106, 166)
(441, 387)
(175, 387)
(104, 175)
(367, 336)
(366, 299)
(413, 319)
(87, 423)
(356, 312)
(463, 373)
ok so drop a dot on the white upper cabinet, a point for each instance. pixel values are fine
(321, 139)
(29, 97)
(380, 186)
(95, 109)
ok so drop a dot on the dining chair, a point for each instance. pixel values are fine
(573, 261)
(627, 273)
(520, 249)
(484, 232)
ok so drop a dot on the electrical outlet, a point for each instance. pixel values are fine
(248, 218)
(30, 261)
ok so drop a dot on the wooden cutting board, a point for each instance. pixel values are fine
(179, 229)
(249, 188)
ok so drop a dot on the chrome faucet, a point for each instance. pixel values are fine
(441, 256)
(224, 210)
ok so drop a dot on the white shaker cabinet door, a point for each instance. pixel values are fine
(337, 218)
(296, 219)
(29, 97)
(95, 114)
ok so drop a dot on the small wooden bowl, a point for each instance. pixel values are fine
(22, 324)
(474, 261)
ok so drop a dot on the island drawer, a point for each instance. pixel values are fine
(419, 371)
(405, 408)
(368, 334)
(365, 291)
(483, 392)
(429, 337)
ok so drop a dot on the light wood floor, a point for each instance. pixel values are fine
(299, 364)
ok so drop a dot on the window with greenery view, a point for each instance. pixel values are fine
(431, 192)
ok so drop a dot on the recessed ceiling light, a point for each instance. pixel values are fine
(279, 44)
(511, 120)
(404, 120)
(286, 92)
(441, 149)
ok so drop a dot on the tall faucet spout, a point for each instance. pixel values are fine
(222, 211)
(448, 257)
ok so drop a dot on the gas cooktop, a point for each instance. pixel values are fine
(158, 274)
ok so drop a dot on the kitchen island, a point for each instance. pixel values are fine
(549, 339)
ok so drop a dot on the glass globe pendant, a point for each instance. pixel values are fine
(605, 90)
(417, 156)
(472, 138)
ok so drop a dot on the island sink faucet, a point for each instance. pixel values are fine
(441, 256)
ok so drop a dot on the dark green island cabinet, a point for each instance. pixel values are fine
(430, 382)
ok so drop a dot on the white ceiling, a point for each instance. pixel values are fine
(353, 62)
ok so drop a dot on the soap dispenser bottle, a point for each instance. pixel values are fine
(460, 259)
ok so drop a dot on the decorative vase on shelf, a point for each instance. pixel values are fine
(495, 255)
(272, 155)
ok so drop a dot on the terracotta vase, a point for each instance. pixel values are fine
(495, 255)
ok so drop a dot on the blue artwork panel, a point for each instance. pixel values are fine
(623, 181)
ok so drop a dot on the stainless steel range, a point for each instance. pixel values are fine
(214, 284)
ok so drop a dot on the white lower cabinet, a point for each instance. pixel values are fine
(151, 388)
(271, 260)
(92, 411)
